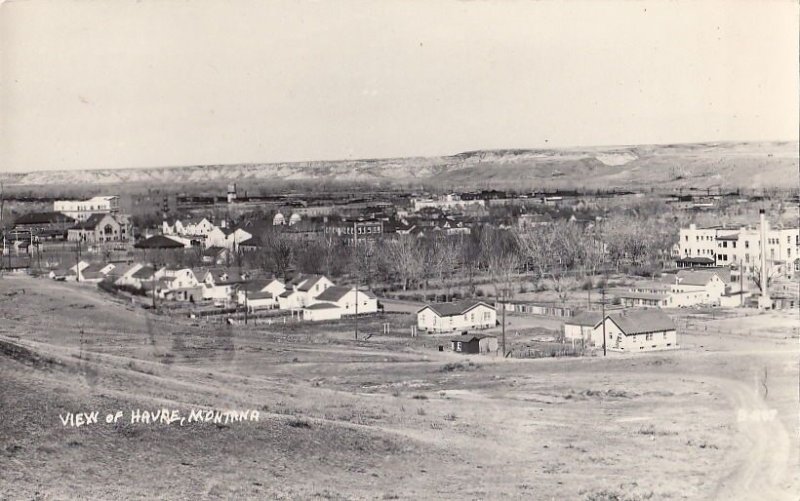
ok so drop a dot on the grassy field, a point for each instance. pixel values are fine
(387, 417)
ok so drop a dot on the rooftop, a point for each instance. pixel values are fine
(641, 321)
(457, 308)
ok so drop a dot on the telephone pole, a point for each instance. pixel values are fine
(503, 313)
(358, 270)
(246, 306)
(603, 306)
(78, 260)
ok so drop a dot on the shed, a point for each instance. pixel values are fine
(474, 343)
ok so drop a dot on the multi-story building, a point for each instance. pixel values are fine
(359, 228)
(81, 210)
(741, 247)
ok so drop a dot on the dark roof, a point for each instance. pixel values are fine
(91, 223)
(306, 285)
(259, 295)
(333, 293)
(696, 260)
(159, 242)
(586, 318)
(143, 272)
(321, 306)
(458, 308)
(213, 251)
(733, 236)
(256, 285)
(44, 218)
(471, 337)
(94, 268)
(641, 321)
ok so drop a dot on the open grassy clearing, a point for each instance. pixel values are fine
(385, 418)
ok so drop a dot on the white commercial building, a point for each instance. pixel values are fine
(741, 246)
(81, 210)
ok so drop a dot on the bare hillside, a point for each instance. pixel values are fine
(685, 165)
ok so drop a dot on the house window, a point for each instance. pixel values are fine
(487, 315)
(458, 345)
(648, 337)
(747, 244)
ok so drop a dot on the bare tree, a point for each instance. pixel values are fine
(405, 257)
(281, 254)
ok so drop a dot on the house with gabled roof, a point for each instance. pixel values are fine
(581, 327)
(259, 293)
(302, 290)
(220, 283)
(636, 330)
(143, 277)
(121, 273)
(457, 316)
(216, 255)
(346, 298)
(96, 272)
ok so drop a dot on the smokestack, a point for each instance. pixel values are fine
(764, 301)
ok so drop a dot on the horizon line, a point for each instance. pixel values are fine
(376, 159)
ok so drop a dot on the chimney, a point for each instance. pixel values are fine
(764, 301)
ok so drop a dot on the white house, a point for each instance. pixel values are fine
(302, 290)
(581, 327)
(449, 317)
(322, 311)
(219, 283)
(260, 294)
(637, 330)
(143, 277)
(699, 287)
(122, 273)
(96, 272)
(180, 284)
(79, 267)
(345, 298)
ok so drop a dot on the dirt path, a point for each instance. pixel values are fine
(765, 456)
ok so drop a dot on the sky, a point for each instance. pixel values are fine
(87, 84)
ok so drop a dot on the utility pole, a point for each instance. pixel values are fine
(78, 260)
(246, 306)
(503, 313)
(358, 271)
(603, 305)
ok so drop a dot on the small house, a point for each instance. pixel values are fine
(458, 316)
(637, 330)
(260, 294)
(581, 327)
(349, 300)
(321, 311)
(302, 290)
